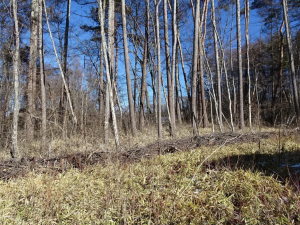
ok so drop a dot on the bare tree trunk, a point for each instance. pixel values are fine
(231, 68)
(108, 82)
(291, 57)
(101, 92)
(16, 61)
(42, 77)
(144, 70)
(201, 74)
(154, 96)
(174, 54)
(128, 77)
(240, 65)
(168, 68)
(195, 63)
(217, 65)
(65, 62)
(248, 60)
(178, 106)
(106, 113)
(111, 37)
(158, 69)
(32, 69)
(184, 73)
(211, 114)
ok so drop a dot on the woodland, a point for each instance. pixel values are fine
(155, 111)
(140, 70)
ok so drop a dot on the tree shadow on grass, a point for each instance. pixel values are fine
(284, 165)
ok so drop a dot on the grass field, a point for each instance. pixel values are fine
(166, 189)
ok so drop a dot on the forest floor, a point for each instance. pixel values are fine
(14, 168)
(219, 178)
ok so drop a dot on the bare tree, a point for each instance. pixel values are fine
(201, 74)
(247, 8)
(65, 62)
(106, 51)
(32, 69)
(174, 54)
(195, 63)
(144, 70)
(16, 63)
(168, 68)
(128, 77)
(101, 90)
(158, 69)
(291, 57)
(240, 65)
(42, 77)
(217, 65)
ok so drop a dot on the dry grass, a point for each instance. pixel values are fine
(169, 189)
(61, 145)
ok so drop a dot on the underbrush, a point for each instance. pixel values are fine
(167, 189)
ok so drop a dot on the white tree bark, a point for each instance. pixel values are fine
(16, 60)
(108, 82)
(240, 65)
(248, 60)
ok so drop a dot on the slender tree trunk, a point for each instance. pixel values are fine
(211, 114)
(168, 68)
(291, 57)
(42, 77)
(101, 92)
(231, 67)
(111, 37)
(218, 73)
(16, 63)
(201, 74)
(174, 54)
(128, 77)
(158, 69)
(240, 65)
(195, 71)
(65, 60)
(178, 106)
(247, 8)
(144, 70)
(184, 73)
(31, 77)
(281, 65)
(108, 82)
(106, 113)
(154, 95)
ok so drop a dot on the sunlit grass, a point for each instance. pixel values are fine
(166, 189)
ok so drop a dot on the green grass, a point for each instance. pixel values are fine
(167, 189)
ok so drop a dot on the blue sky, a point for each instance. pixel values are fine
(79, 17)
